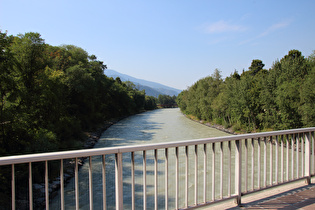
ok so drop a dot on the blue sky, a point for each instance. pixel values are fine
(173, 42)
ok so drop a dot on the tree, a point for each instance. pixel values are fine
(8, 85)
(256, 66)
(307, 95)
(167, 101)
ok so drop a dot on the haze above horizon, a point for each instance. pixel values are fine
(174, 43)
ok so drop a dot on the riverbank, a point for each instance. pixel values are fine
(212, 125)
(94, 136)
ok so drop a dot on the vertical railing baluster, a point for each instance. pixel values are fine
(258, 162)
(166, 178)
(213, 171)
(297, 140)
(144, 180)
(62, 187)
(186, 176)
(277, 160)
(46, 186)
(302, 152)
(246, 165)
(238, 171)
(30, 185)
(271, 161)
(13, 186)
(287, 154)
(155, 179)
(311, 137)
(90, 183)
(132, 180)
(229, 169)
(176, 177)
(265, 162)
(308, 157)
(119, 181)
(292, 156)
(76, 180)
(253, 164)
(205, 173)
(196, 174)
(104, 181)
(221, 170)
(282, 159)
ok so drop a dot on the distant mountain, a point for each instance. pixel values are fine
(151, 88)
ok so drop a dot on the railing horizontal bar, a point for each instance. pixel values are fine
(114, 150)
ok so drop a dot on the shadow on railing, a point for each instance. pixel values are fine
(180, 175)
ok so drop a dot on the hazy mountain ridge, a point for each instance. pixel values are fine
(151, 88)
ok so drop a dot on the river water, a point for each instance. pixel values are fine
(162, 125)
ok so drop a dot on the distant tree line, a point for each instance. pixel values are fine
(282, 97)
(166, 101)
(50, 94)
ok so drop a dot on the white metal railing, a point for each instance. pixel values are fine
(186, 174)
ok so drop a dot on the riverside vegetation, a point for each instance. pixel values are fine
(282, 97)
(49, 95)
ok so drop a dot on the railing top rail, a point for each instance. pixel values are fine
(112, 150)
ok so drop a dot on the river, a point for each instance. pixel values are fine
(162, 125)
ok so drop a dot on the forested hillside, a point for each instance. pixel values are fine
(50, 94)
(282, 97)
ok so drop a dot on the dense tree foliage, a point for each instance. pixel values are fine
(166, 101)
(282, 97)
(50, 94)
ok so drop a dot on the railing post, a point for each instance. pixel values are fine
(308, 158)
(46, 186)
(166, 178)
(176, 177)
(62, 191)
(186, 177)
(119, 181)
(90, 183)
(30, 186)
(238, 171)
(196, 174)
(144, 180)
(132, 180)
(104, 181)
(155, 179)
(76, 184)
(13, 187)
